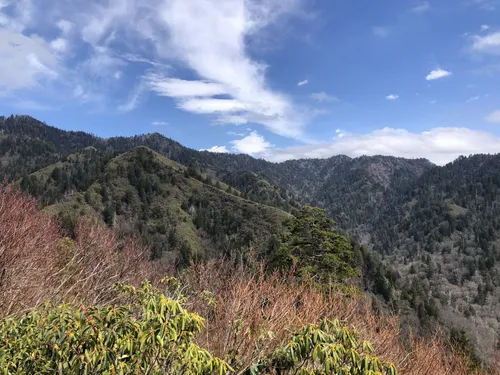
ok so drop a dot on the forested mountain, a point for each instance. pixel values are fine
(140, 192)
(437, 226)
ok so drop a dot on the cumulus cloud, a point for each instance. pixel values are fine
(392, 97)
(494, 117)
(437, 74)
(252, 144)
(302, 83)
(216, 149)
(323, 97)
(380, 31)
(422, 8)
(439, 145)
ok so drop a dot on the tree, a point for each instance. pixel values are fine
(317, 250)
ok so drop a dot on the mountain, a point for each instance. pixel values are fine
(142, 193)
(437, 226)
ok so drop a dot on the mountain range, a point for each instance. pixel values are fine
(436, 228)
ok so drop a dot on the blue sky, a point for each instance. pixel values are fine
(276, 79)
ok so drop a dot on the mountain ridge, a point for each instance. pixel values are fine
(437, 225)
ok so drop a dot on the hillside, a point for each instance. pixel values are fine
(437, 226)
(142, 193)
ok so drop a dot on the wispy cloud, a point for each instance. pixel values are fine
(493, 117)
(392, 97)
(489, 5)
(178, 88)
(473, 99)
(323, 97)
(159, 123)
(485, 27)
(437, 74)
(380, 31)
(302, 83)
(487, 44)
(218, 56)
(207, 37)
(26, 61)
(422, 8)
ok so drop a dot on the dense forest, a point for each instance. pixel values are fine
(423, 239)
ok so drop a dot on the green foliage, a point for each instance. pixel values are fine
(317, 250)
(152, 335)
(327, 348)
(462, 346)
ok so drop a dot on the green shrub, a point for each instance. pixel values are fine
(151, 335)
(327, 348)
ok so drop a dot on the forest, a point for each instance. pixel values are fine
(372, 263)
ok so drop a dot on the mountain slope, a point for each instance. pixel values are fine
(438, 226)
(143, 193)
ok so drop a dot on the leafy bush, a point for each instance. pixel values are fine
(327, 348)
(152, 335)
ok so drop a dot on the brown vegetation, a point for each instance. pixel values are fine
(249, 313)
(255, 312)
(38, 264)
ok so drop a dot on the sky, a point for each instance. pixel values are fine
(275, 79)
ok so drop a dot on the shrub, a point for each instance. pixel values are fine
(152, 335)
(327, 348)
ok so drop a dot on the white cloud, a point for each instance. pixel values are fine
(380, 31)
(439, 145)
(179, 88)
(489, 44)
(473, 99)
(323, 97)
(422, 8)
(25, 61)
(159, 123)
(209, 37)
(65, 26)
(231, 119)
(252, 144)
(494, 117)
(134, 98)
(437, 74)
(302, 83)
(392, 97)
(20, 16)
(485, 27)
(236, 133)
(59, 45)
(211, 106)
(488, 5)
(216, 149)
